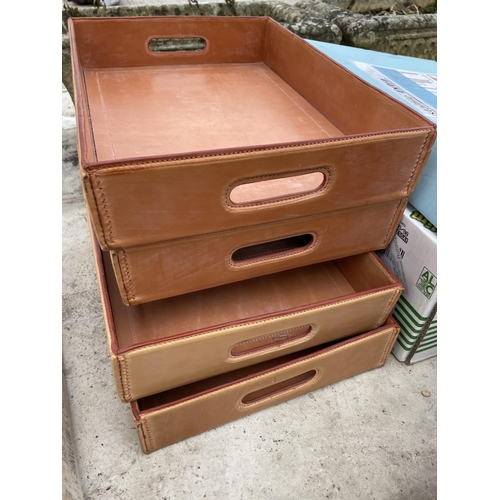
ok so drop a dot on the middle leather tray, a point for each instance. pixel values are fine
(185, 265)
(173, 342)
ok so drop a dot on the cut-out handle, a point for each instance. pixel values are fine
(178, 44)
(266, 342)
(276, 248)
(274, 389)
(276, 189)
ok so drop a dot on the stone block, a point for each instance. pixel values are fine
(365, 6)
(412, 35)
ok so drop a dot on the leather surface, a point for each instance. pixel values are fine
(173, 342)
(173, 416)
(187, 110)
(159, 160)
(185, 265)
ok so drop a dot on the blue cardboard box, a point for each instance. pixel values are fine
(412, 81)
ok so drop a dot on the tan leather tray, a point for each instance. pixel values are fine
(257, 126)
(186, 265)
(173, 342)
(174, 415)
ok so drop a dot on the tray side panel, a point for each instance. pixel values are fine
(123, 42)
(350, 103)
(178, 362)
(146, 202)
(185, 265)
(373, 271)
(172, 424)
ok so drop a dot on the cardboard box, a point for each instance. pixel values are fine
(412, 257)
(412, 81)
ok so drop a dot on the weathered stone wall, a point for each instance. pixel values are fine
(409, 35)
(67, 77)
(364, 6)
(414, 35)
(257, 8)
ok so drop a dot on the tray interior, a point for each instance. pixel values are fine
(163, 110)
(241, 301)
(253, 84)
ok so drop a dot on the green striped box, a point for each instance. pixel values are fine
(412, 257)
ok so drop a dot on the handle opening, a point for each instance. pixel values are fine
(279, 188)
(275, 389)
(276, 248)
(274, 339)
(177, 44)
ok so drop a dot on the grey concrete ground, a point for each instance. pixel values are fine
(369, 437)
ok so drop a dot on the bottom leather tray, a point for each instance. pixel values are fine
(177, 414)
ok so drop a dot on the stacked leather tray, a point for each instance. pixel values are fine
(235, 193)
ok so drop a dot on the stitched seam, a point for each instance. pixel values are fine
(151, 163)
(306, 194)
(149, 436)
(388, 346)
(120, 374)
(109, 222)
(101, 225)
(308, 248)
(260, 322)
(129, 289)
(417, 163)
(331, 277)
(388, 307)
(125, 378)
(88, 114)
(256, 377)
(391, 225)
(140, 427)
(122, 276)
(132, 324)
(268, 346)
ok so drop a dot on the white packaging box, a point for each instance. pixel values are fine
(412, 257)
(411, 80)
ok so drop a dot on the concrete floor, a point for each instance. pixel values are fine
(369, 437)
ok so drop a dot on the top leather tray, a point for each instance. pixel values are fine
(246, 124)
